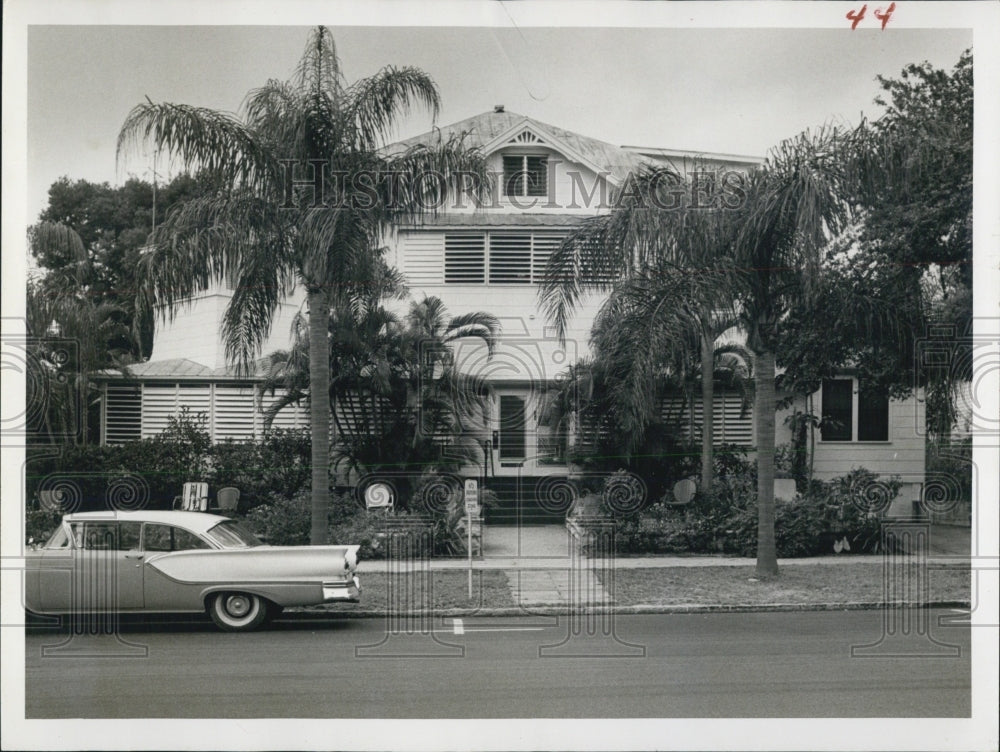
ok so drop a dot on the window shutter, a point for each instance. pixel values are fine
(510, 258)
(422, 258)
(513, 176)
(537, 174)
(234, 412)
(464, 258)
(159, 402)
(122, 413)
(544, 245)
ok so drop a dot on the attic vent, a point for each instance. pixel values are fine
(498, 108)
(526, 137)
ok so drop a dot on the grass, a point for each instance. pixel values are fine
(806, 584)
(795, 584)
(448, 589)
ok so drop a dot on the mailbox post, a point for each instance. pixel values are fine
(471, 508)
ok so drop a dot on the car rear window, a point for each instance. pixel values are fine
(231, 534)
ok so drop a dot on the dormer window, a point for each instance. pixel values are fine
(525, 175)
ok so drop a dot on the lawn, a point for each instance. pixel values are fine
(805, 584)
(795, 584)
(448, 589)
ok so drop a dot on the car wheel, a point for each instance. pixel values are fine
(237, 612)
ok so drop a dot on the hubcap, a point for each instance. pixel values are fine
(238, 605)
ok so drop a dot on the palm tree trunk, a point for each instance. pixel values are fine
(767, 561)
(707, 407)
(83, 393)
(319, 414)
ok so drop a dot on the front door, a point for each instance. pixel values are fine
(512, 432)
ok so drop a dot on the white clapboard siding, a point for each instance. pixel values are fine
(122, 413)
(423, 258)
(729, 427)
(235, 413)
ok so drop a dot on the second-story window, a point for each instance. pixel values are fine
(525, 175)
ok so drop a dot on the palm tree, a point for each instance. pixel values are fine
(399, 399)
(795, 204)
(772, 247)
(646, 249)
(268, 232)
(651, 331)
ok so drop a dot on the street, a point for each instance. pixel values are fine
(793, 664)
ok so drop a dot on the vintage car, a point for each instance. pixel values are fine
(157, 562)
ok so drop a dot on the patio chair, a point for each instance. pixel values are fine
(195, 497)
(227, 499)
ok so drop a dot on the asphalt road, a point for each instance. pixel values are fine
(699, 665)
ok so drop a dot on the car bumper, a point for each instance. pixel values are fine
(342, 591)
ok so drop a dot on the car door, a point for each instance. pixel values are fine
(108, 572)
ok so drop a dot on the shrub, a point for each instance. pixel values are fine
(287, 522)
(725, 519)
(276, 467)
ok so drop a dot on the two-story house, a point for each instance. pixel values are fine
(490, 258)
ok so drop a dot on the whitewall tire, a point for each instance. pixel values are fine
(237, 612)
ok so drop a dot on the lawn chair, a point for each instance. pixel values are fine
(226, 500)
(195, 497)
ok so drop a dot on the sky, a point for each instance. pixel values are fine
(709, 90)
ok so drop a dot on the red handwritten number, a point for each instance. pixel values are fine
(856, 16)
(884, 17)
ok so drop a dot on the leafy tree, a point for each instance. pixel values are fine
(252, 229)
(73, 334)
(915, 166)
(113, 225)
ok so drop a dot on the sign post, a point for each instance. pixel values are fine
(471, 508)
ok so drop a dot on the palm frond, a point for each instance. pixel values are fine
(376, 103)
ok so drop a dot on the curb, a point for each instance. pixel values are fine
(565, 610)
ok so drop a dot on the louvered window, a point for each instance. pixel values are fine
(159, 402)
(731, 424)
(525, 175)
(464, 258)
(122, 413)
(501, 258)
(510, 258)
(235, 410)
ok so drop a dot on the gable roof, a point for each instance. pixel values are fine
(483, 130)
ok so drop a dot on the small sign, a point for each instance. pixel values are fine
(378, 496)
(471, 496)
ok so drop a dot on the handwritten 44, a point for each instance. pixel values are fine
(855, 16)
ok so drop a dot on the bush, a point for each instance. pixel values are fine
(724, 520)
(276, 467)
(86, 478)
(287, 522)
